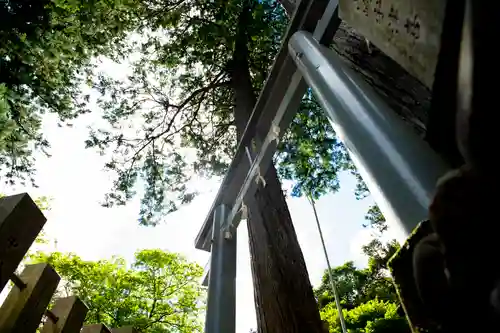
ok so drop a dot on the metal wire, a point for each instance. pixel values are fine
(330, 274)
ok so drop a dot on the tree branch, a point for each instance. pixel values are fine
(195, 93)
(155, 298)
(160, 318)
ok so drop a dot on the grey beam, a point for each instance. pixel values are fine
(306, 16)
(221, 305)
(405, 168)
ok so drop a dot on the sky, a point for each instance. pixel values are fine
(74, 180)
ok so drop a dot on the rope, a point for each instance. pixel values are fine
(330, 274)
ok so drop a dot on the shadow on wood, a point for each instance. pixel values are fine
(70, 312)
(20, 222)
(22, 311)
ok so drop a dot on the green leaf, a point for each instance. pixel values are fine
(158, 292)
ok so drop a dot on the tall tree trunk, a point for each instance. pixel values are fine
(284, 299)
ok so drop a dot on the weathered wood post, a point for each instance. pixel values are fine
(20, 222)
(95, 328)
(24, 307)
(70, 313)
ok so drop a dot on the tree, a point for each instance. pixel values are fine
(350, 283)
(196, 89)
(379, 254)
(374, 217)
(310, 153)
(46, 48)
(374, 316)
(159, 292)
(356, 286)
(376, 220)
(361, 191)
(368, 296)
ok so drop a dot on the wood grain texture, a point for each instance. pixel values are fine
(22, 310)
(71, 312)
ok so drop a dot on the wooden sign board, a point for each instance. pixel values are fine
(408, 31)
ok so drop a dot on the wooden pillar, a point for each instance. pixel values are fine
(95, 328)
(20, 222)
(23, 309)
(70, 312)
(124, 330)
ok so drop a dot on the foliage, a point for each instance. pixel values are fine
(368, 296)
(159, 292)
(374, 316)
(379, 254)
(361, 191)
(374, 216)
(43, 203)
(46, 48)
(376, 220)
(180, 96)
(310, 153)
(355, 286)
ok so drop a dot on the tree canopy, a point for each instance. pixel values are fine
(355, 286)
(46, 53)
(310, 153)
(368, 297)
(158, 292)
(374, 316)
(181, 96)
(179, 92)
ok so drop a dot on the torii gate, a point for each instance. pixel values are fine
(400, 169)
